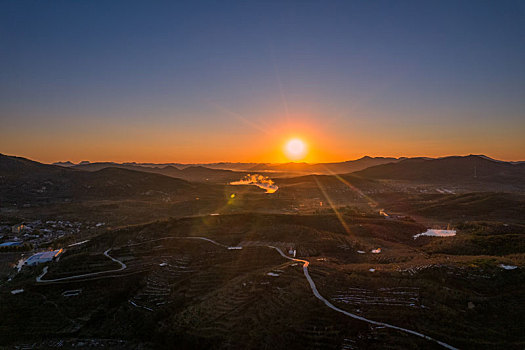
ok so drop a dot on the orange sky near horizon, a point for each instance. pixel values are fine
(199, 83)
(238, 140)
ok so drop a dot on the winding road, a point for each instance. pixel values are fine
(305, 263)
(357, 317)
(122, 265)
(44, 271)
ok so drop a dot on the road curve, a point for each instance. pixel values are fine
(91, 274)
(357, 317)
(122, 265)
(305, 263)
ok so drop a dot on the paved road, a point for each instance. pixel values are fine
(122, 265)
(333, 307)
(91, 274)
(305, 263)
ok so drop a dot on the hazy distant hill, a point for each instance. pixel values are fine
(204, 172)
(22, 179)
(220, 165)
(229, 166)
(65, 164)
(472, 168)
(190, 173)
(326, 168)
(168, 170)
(353, 165)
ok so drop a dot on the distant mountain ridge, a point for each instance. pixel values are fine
(189, 173)
(23, 178)
(331, 168)
(292, 167)
(449, 169)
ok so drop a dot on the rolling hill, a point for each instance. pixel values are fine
(190, 173)
(22, 180)
(455, 169)
(225, 170)
(326, 168)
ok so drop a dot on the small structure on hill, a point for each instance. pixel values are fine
(18, 228)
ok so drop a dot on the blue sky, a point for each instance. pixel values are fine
(211, 81)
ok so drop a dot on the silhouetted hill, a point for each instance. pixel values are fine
(170, 169)
(190, 173)
(65, 164)
(125, 182)
(470, 168)
(326, 168)
(353, 165)
(11, 166)
(201, 173)
(167, 170)
(230, 166)
(23, 180)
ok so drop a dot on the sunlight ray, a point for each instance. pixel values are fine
(334, 208)
(372, 203)
(241, 118)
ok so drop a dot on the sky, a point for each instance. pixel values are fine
(209, 81)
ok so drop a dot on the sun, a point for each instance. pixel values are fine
(295, 149)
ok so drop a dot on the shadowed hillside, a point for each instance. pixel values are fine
(23, 179)
(450, 169)
(190, 173)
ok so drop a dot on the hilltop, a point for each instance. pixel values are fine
(196, 173)
(472, 168)
(291, 167)
(22, 179)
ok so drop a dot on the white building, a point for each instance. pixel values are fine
(43, 257)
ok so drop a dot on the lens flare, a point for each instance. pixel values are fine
(295, 149)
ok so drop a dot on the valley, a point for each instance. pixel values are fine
(327, 261)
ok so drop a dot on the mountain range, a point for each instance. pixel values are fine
(196, 173)
(170, 169)
(21, 177)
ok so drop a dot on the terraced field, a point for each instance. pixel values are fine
(181, 290)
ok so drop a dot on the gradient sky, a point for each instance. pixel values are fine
(214, 81)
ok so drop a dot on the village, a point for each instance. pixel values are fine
(39, 237)
(36, 234)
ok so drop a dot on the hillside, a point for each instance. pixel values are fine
(326, 168)
(456, 169)
(190, 173)
(16, 167)
(489, 206)
(227, 169)
(179, 285)
(23, 180)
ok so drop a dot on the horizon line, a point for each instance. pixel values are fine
(263, 162)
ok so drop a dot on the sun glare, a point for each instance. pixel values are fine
(295, 149)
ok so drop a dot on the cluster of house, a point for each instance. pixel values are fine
(39, 232)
